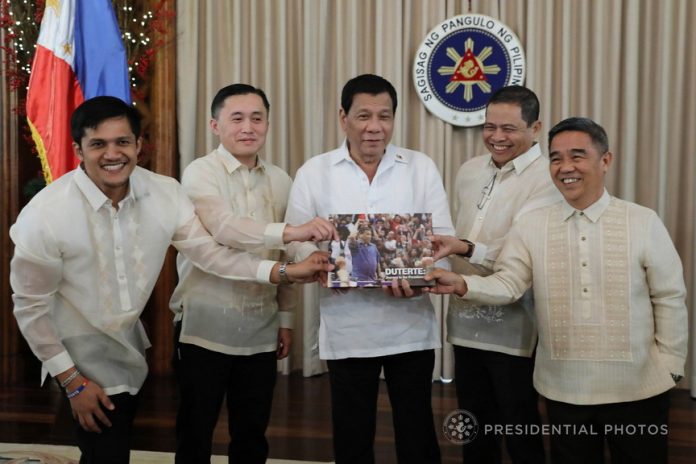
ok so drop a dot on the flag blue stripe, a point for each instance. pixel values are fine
(100, 59)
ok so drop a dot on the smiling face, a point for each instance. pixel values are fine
(109, 154)
(578, 168)
(368, 125)
(242, 125)
(505, 134)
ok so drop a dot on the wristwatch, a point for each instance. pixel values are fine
(284, 279)
(470, 249)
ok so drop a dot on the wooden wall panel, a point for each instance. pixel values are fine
(18, 165)
(163, 160)
(9, 206)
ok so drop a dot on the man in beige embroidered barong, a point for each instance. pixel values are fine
(494, 345)
(610, 306)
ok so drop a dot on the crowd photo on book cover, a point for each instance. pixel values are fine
(376, 248)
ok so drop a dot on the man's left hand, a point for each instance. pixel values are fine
(315, 268)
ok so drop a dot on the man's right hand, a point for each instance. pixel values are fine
(317, 230)
(446, 282)
(445, 245)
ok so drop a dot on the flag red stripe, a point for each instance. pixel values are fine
(53, 94)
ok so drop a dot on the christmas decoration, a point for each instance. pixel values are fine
(141, 26)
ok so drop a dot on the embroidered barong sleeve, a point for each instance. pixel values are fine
(287, 301)
(227, 228)
(664, 275)
(287, 296)
(194, 242)
(543, 193)
(512, 277)
(36, 272)
(238, 232)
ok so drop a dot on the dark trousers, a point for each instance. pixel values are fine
(205, 378)
(354, 391)
(497, 388)
(113, 444)
(636, 431)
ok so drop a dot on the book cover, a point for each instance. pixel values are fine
(375, 248)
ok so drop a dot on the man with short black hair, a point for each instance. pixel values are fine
(88, 250)
(494, 344)
(230, 334)
(363, 331)
(609, 302)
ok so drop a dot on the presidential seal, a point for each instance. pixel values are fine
(461, 62)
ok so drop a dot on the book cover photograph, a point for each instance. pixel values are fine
(375, 248)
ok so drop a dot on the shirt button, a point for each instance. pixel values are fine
(584, 290)
(581, 213)
(252, 214)
(584, 264)
(583, 238)
(121, 277)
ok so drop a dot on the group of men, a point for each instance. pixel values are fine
(608, 296)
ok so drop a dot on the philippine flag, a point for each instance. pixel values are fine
(79, 55)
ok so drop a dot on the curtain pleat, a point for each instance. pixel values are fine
(628, 64)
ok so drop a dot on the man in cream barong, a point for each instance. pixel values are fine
(88, 250)
(230, 335)
(610, 306)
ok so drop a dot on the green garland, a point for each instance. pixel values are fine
(21, 20)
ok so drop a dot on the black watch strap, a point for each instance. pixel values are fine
(470, 249)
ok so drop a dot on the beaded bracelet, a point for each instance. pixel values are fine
(69, 379)
(78, 390)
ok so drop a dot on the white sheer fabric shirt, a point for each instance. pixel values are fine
(242, 208)
(83, 271)
(488, 200)
(367, 322)
(609, 300)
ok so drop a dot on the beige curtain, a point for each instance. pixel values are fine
(628, 64)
